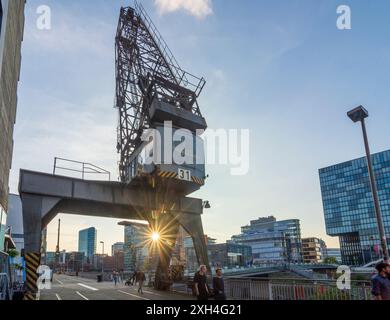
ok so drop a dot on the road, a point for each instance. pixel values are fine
(66, 287)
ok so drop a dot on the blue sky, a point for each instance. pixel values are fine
(279, 68)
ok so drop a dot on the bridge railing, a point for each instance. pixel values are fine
(293, 289)
(81, 169)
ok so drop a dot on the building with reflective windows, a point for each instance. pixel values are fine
(87, 242)
(349, 207)
(272, 241)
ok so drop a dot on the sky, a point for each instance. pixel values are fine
(281, 69)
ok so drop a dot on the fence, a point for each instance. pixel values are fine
(293, 289)
(78, 168)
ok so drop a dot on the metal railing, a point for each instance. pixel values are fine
(293, 289)
(84, 168)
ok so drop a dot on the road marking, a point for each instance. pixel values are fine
(84, 297)
(156, 294)
(133, 295)
(58, 297)
(88, 287)
(60, 282)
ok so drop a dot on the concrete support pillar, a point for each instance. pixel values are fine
(32, 224)
(192, 223)
(169, 228)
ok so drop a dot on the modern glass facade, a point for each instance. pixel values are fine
(135, 247)
(87, 242)
(229, 255)
(272, 241)
(349, 207)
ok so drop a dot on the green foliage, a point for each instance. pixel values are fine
(13, 253)
(330, 260)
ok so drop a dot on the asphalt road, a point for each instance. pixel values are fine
(66, 287)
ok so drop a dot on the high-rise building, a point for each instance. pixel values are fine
(87, 242)
(11, 36)
(117, 247)
(349, 206)
(136, 251)
(313, 250)
(229, 255)
(335, 253)
(272, 241)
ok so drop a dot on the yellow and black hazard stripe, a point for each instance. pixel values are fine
(167, 174)
(198, 180)
(33, 260)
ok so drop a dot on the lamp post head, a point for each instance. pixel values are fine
(358, 114)
(206, 205)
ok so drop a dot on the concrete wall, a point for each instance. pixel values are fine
(11, 37)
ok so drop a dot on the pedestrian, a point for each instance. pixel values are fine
(133, 278)
(201, 289)
(219, 286)
(115, 277)
(381, 282)
(140, 279)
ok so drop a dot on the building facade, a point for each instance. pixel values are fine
(335, 253)
(349, 207)
(313, 250)
(229, 255)
(87, 242)
(117, 247)
(136, 251)
(272, 241)
(11, 36)
(15, 221)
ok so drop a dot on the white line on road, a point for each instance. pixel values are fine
(58, 297)
(88, 287)
(84, 297)
(60, 282)
(156, 294)
(133, 295)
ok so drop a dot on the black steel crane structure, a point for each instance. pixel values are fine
(145, 70)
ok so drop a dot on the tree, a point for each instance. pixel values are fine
(330, 260)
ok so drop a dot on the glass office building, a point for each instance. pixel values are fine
(349, 207)
(272, 241)
(87, 242)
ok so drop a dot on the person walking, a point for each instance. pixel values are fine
(219, 286)
(140, 279)
(201, 289)
(381, 282)
(133, 278)
(115, 277)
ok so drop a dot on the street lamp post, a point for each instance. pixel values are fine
(102, 242)
(356, 115)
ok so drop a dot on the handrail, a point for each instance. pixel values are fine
(87, 168)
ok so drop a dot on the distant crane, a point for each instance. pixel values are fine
(58, 243)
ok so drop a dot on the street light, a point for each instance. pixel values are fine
(356, 115)
(102, 242)
(206, 205)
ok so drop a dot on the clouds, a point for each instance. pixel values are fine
(198, 8)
